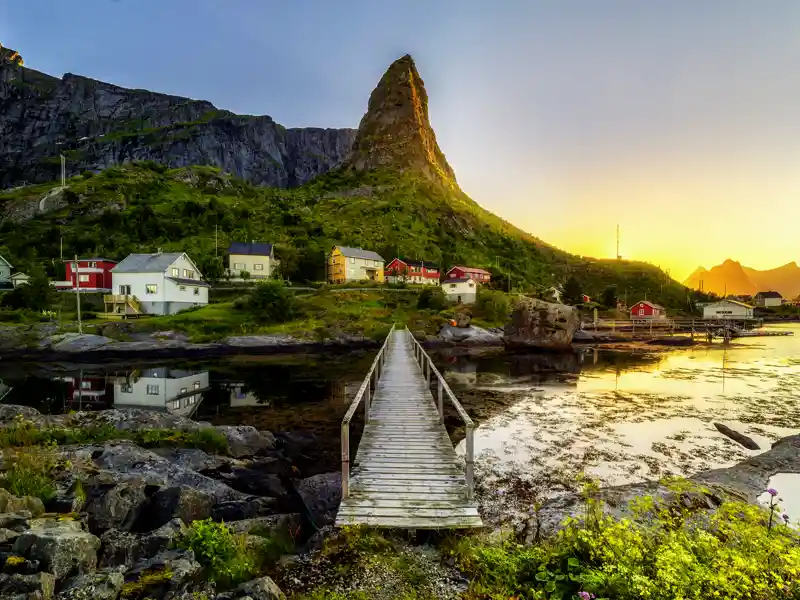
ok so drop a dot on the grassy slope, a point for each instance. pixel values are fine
(137, 208)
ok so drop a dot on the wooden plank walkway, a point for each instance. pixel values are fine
(406, 472)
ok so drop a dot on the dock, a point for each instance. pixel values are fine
(406, 473)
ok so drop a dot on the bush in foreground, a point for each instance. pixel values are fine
(223, 554)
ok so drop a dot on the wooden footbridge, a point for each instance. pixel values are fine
(406, 473)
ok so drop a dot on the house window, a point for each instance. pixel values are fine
(83, 278)
(151, 288)
(182, 288)
(176, 272)
(452, 286)
(92, 265)
(239, 266)
(352, 261)
(152, 390)
(184, 390)
(197, 385)
(641, 311)
(126, 388)
(124, 290)
(86, 385)
(196, 291)
(187, 274)
(258, 267)
(470, 284)
(176, 404)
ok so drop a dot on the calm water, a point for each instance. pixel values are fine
(619, 416)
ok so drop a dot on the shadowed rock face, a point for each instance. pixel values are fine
(98, 125)
(396, 131)
(536, 323)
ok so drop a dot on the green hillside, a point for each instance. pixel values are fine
(143, 207)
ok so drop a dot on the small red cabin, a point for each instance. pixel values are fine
(474, 273)
(412, 271)
(647, 310)
(92, 275)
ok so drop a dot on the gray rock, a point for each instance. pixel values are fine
(469, 335)
(8, 412)
(75, 343)
(179, 567)
(258, 589)
(15, 504)
(7, 535)
(261, 341)
(100, 585)
(124, 548)
(536, 323)
(27, 587)
(17, 521)
(193, 459)
(270, 526)
(118, 507)
(322, 494)
(737, 437)
(126, 419)
(245, 440)
(62, 546)
(185, 503)
(247, 508)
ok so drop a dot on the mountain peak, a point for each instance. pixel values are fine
(396, 132)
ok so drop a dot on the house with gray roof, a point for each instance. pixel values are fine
(354, 264)
(162, 283)
(250, 260)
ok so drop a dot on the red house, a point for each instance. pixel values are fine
(412, 271)
(647, 310)
(93, 275)
(474, 273)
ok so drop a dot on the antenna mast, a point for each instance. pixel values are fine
(618, 256)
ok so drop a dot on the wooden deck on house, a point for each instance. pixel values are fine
(406, 473)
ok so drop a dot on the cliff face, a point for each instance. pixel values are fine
(97, 125)
(395, 131)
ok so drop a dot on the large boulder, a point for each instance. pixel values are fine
(76, 343)
(321, 495)
(182, 502)
(193, 459)
(100, 585)
(117, 506)
(27, 587)
(540, 324)
(246, 440)
(9, 412)
(257, 589)
(62, 546)
(247, 508)
(15, 504)
(270, 526)
(471, 334)
(163, 574)
(124, 548)
(253, 482)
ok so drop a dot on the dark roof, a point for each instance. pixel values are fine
(194, 282)
(253, 248)
(359, 253)
(418, 263)
(147, 263)
(90, 260)
(470, 269)
(659, 307)
(458, 280)
(769, 295)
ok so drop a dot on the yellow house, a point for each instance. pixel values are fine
(354, 264)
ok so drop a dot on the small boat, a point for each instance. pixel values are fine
(737, 332)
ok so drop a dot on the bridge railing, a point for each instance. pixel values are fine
(365, 393)
(442, 389)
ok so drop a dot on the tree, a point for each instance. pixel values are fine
(431, 298)
(573, 292)
(609, 297)
(36, 295)
(271, 302)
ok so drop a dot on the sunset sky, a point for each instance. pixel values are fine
(678, 120)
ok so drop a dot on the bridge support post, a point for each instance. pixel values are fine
(470, 463)
(345, 460)
(367, 397)
(440, 400)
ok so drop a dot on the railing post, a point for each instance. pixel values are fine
(345, 460)
(470, 463)
(367, 397)
(440, 398)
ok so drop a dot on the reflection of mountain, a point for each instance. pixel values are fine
(733, 278)
(176, 391)
(4, 389)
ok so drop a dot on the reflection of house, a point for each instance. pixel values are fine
(412, 271)
(767, 299)
(172, 390)
(240, 395)
(90, 275)
(354, 264)
(4, 389)
(255, 259)
(88, 391)
(462, 290)
(727, 309)
(647, 310)
(552, 294)
(5, 273)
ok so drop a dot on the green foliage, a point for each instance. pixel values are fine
(666, 551)
(30, 471)
(609, 297)
(271, 302)
(492, 306)
(36, 295)
(147, 582)
(431, 298)
(573, 292)
(223, 554)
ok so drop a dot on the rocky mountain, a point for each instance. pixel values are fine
(732, 277)
(97, 125)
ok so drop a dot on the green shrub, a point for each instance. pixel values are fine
(493, 306)
(431, 298)
(271, 302)
(222, 553)
(30, 472)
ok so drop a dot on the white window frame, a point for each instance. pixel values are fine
(239, 266)
(352, 260)
(188, 274)
(83, 279)
(124, 290)
(176, 272)
(258, 267)
(152, 389)
(182, 288)
(196, 291)
(151, 289)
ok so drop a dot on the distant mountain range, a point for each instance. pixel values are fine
(732, 277)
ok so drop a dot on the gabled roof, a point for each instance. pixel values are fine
(194, 282)
(725, 300)
(650, 304)
(359, 253)
(251, 248)
(459, 280)
(769, 294)
(147, 263)
(470, 269)
(417, 263)
(91, 260)
(10, 266)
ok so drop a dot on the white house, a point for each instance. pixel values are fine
(163, 283)
(254, 258)
(727, 309)
(5, 273)
(175, 391)
(767, 299)
(462, 290)
(19, 278)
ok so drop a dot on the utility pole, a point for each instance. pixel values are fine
(61, 249)
(63, 171)
(78, 294)
(618, 256)
(216, 242)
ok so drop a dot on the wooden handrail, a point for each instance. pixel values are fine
(363, 391)
(426, 365)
